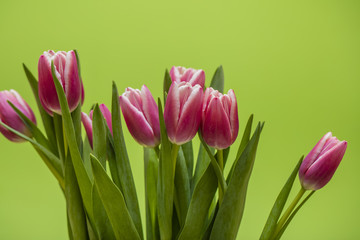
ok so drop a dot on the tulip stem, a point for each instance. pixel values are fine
(220, 159)
(289, 210)
(157, 151)
(174, 153)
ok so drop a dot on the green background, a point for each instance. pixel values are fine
(294, 64)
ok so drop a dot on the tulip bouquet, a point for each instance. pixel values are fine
(185, 198)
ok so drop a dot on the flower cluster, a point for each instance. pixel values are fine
(177, 190)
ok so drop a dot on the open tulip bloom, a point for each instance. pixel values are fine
(186, 198)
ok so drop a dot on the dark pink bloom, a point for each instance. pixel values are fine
(220, 123)
(182, 113)
(67, 73)
(321, 163)
(190, 75)
(11, 118)
(87, 121)
(141, 115)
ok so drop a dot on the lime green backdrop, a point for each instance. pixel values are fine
(294, 64)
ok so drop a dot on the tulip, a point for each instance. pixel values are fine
(193, 76)
(220, 124)
(9, 117)
(182, 113)
(87, 121)
(141, 115)
(321, 163)
(66, 69)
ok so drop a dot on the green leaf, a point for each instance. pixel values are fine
(118, 214)
(74, 205)
(244, 141)
(165, 189)
(200, 203)
(279, 204)
(59, 133)
(123, 164)
(81, 174)
(99, 136)
(151, 166)
(217, 81)
(112, 163)
(51, 161)
(292, 216)
(187, 149)
(46, 118)
(86, 157)
(76, 118)
(166, 84)
(231, 210)
(101, 218)
(182, 188)
(202, 163)
(35, 131)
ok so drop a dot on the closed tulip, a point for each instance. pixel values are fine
(321, 163)
(11, 118)
(66, 69)
(220, 124)
(141, 115)
(182, 113)
(87, 121)
(190, 75)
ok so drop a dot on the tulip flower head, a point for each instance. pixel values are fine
(141, 115)
(321, 163)
(66, 68)
(220, 124)
(182, 113)
(11, 118)
(87, 121)
(190, 75)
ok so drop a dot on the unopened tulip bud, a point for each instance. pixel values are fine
(87, 121)
(321, 163)
(11, 118)
(141, 115)
(66, 69)
(182, 113)
(220, 124)
(190, 75)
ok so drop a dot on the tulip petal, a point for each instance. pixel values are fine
(72, 83)
(216, 126)
(234, 116)
(107, 115)
(151, 111)
(85, 119)
(172, 110)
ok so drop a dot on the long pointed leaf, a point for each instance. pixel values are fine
(123, 164)
(279, 204)
(231, 210)
(99, 136)
(118, 214)
(166, 84)
(187, 149)
(217, 81)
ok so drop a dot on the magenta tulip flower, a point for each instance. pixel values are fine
(141, 115)
(182, 113)
(11, 118)
(321, 163)
(220, 124)
(87, 121)
(66, 68)
(193, 76)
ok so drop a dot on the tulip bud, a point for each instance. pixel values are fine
(141, 115)
(220, 124)
(182, 113)
(11, 118)
(190, 75)
(321, 163)
(87, 121)
(66, 69)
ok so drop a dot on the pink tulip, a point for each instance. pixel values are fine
(87, 121)
(321, 163)
(182, 113)
(193, 76)
(11, 118)
(66, 68)
(141, 115)
(220, 124)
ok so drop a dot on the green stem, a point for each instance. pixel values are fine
(174, 153)
(220, 159)
(289, 211)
